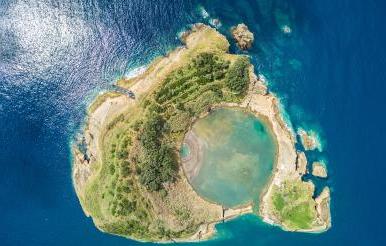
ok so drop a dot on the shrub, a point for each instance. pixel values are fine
(112, 169)
(122, 154)
(158, 164)
(237, 77)
(179, 122)
(125, 169)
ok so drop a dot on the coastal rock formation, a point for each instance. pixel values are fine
(243, 36)
(257, 83)
(319, 170)
(309, 139)
(216, 23)
(323, 207)
(301, 164)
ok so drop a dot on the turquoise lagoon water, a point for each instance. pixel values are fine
(238, 156)
(184, 151)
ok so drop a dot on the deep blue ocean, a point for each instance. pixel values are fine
(56, 56)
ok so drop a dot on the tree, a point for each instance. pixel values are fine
(157, 162)
(238, 76)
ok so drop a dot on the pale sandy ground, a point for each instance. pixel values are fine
(193, 162)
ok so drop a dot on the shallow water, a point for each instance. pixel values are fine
(184, 151)
(238, 156)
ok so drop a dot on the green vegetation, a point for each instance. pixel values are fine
(194, 88)
(158, 163)
(139, 148)
(293, 204)
(238, 76)
(115, 200)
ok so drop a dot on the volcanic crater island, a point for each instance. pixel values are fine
(194, 140)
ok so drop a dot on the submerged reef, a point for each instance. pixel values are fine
(129, 178)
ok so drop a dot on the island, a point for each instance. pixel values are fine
(319, 169)
(135, 162)
(309, 139)
(243, 36)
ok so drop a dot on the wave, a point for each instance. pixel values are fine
(135, 72)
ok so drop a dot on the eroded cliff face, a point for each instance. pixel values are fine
(243, 36)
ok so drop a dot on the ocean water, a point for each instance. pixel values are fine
(238, 157)
(55, 56)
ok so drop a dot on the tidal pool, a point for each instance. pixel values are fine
(228, 157)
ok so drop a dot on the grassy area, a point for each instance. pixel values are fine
(139, 148)
(292, 204)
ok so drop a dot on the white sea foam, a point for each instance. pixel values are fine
(262, 78)
(285, 115)
(135, 72)
(286, 29)
(203, 12)
(215, 23)
(314, 132)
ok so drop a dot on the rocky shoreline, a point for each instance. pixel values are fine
(290, 164)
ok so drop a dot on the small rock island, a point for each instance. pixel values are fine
(319, 169)
(309, 140)
(243, 36)
(128, 173)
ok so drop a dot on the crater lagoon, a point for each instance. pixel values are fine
(235, 154)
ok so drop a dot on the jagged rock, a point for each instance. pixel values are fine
(319, 170)
(243, 36)
(309, 140)
(301, 163)
(323, 206)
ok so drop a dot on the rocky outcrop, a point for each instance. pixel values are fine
(323, 207)
(319, 170)
(243, 36)
(301, 163)
(257, 83)
(309, 140)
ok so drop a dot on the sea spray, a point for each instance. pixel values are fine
(135, 72)
(204, 14)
